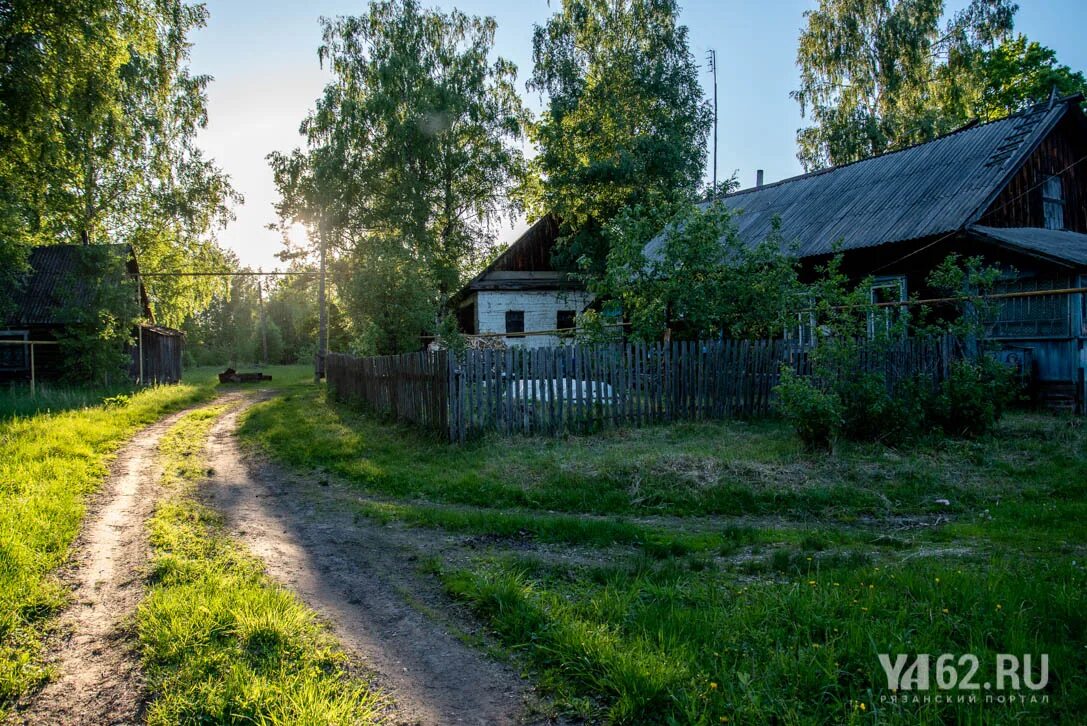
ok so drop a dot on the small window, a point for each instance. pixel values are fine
(1053, 203)
(802, 334)
(884, 292)
(14, 357)
(565, 320)
(515, 323)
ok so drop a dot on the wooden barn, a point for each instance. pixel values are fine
(57, 284)
(521, 293)
(1013, 191)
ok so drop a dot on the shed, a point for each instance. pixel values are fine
(57, 283)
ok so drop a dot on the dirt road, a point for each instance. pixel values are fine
(361, 578)
(98, 678)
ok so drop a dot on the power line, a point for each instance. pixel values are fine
(225, 273)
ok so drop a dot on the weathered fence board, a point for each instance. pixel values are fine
(584, 388)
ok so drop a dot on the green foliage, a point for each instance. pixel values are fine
(98, 138)
(101, 317)
(879, 75)
(406, 186)
(450, 337)
(625, 124)
(877, 404)
(974, 397)
(814, 413)
(971, 281)
(228, 330)
(703, 280)
(1017, 73)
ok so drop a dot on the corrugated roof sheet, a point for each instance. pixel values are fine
(1057, 243)
(924, 190)
(58, 281)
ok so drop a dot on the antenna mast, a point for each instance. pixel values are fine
(712, 58)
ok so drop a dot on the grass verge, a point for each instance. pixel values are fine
(760, 584)
(653, 642)
(49, 463)
(221, 642)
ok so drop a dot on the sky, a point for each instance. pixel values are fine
(263, 57)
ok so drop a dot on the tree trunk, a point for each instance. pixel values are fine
(322, 331)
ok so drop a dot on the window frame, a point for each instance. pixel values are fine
(25, 335)
(1053, 206)
(566, 329)
(802, 331)
(883, 283)
(515, 333)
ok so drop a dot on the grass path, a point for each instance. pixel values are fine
(711, 573)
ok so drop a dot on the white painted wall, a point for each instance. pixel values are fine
(541, 309)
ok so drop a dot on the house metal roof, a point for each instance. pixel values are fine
(1057, 244)
(924, 190)
(58, 282)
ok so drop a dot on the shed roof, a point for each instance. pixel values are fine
(924, 190)
(1055, 244)
(58, 281)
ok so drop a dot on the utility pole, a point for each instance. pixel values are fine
(263, 324)
(322, 330)
(712, 57)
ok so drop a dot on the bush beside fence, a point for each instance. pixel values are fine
(579, 388)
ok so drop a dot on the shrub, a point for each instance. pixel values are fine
(973, 398)
(814, 413)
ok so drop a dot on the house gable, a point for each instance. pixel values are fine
(1021, 201)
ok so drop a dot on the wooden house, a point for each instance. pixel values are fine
(1013, 191)
(57, 284)
(521, 297)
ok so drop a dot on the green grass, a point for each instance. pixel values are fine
(49, 397)
(651, 642)
(50, 462)
(221, 642)
(722, 575)
(558, 528)
(732, 468)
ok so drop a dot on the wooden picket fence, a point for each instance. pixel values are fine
(580, 388)
(413, 387)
